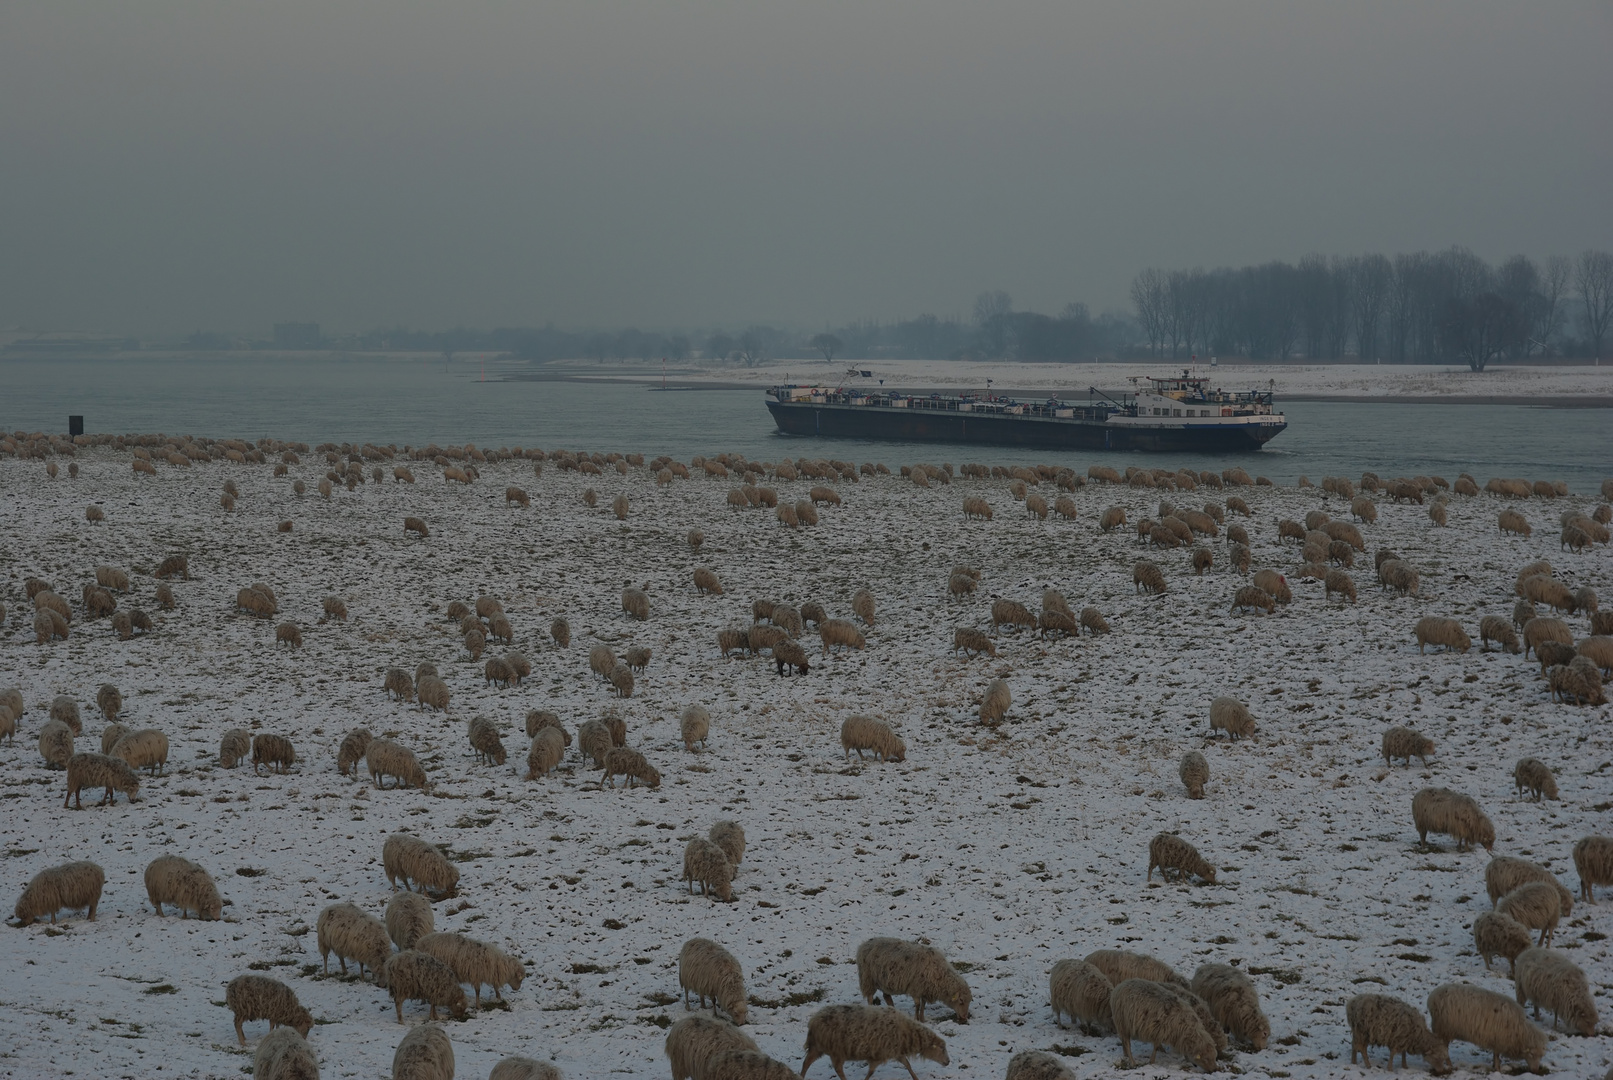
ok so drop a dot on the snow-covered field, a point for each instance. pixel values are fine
(1008, 848)
(1290, 380)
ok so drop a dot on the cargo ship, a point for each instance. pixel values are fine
(1177, 413)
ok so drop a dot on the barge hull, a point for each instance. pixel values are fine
(923, 425)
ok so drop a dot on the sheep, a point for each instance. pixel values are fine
(1337, 581)
(110, 577)
(1400, 742)
(71, 885)
(173, 880)
(165, 598)
(484, 740)
(513, 494)
(1011, 613)
(538, 719)
(560, 632)
(694, 723)
(1233, 1001)
(1202, 560)
(601, 659)
(284, 1055)
(709, 970)
(1584, 600)
(398, 683)
(1487, 1020)
(496, 672)
(1544, 977)
(1532, 773)
(1545, 629)
(1093, 621)
(411, 975)
(862, 606)
(861, 733)
(1118, 965)
(122, 625)
(1152, 1012)
(414, 862)
(730, 836)
(1253, 597)
(383, 758)
(258, 997)
(1498, 629)
(1441, 810)
(1288, 529)
(109, 701)
(866, 1033)
(961, 584)
(98, 602)
(1173, 853)
(431, 692)
(1593, 859)
(620, 761)
(1195, 773)
(474, 962)
(1598, 648)
(547, 750)
(1399, 576)
(1381, 1020)
(524, 1068)
(1112, 519)
(786, 516)
(1535, 904)
(892, 966)
(408, 918)
(1495, 934)
(970, 641)
(1148, 577)
(90, 770)
(1433, 630)
(994, 703)
(273, 751)
(354, 747)
(1081, 991)
(834, 632)
(64, 709)
(1602, 623)
(1578, 681)
(56, 745)
(694, 1041)
(621, 680)
(49, 601)
(638, 658)
(1505, 873)
(812, 612)
(1232, 716)
(475, 643)
(747, 1065)
(288, 633)
(705, 862)
(335, 608)
(705, 582)
(416, 525)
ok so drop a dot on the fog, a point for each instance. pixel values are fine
(181, 164)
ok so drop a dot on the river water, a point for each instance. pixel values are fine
(422, 401)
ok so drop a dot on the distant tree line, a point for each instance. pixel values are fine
(1424, 307)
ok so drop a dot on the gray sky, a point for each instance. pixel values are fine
(170, 165)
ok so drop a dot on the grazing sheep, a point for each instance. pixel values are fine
(867, 1033)
(892, 966)
(288, 633)
(1011, 613)
(748, 1064)
(408, 919)
(621, 680)
(1118, 965)
(730, 836)
(834, 632)
(594, 742)
(1546, 977)
(412, 975)
(495, 672)
(273, 751)
(619, 507)
(1112, 519)
(1381, 1020)
(525, 1068)
(1195, 773)
(1148, 577)
(173, 566)
(1593, 859)
(514, 494)
(90, 770)
(1441, 810)
(258, 997)
(1232, 716)
(547, 750)
(416, 525)
(475, 643)
(1487, 1020)
(173, 880)
(56, 745)
(861, 733)
(601, 659)
(538, 719)
(970, 641)
(862, 606)
(1154, 1013)
(1173, 853)
(414, 862)
(122, 625)
(1602, 623)
(64, 710)
(1337, 581)
(637, 659)
(1536, 905)
(284, 1055)
(1037, 1065)
(708, 970)
(98, 602)
(431, 692)
(694, 1041)
(110, 577)
(383, 758)
(165, 598)
(1253, 597)
(1584, 600)
(352, 751)
(961, 584)
(1542, 629)
(1598, 648)
(335, 608)
(474, 962)
(1081, 991)
(1532, 773)
(1495, 934)
(109, 701)
(1506, 872)
(1496, 628)
(1233, 1002)
(71, 885)
(704, 861)
(694, 723)
(484, 740)
(705, 582)
(994, 703)
(560, 631)
(1400, 742)
(1433, 630)
(1093, 621)
(399, 684)
(620, 761)
(1058, 622)
(813, 613)
(1202, 560)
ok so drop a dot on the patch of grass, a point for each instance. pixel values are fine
(1416, 958)
(805, 997)
(249, 871)
(1285, 976)
(161, 988)
(588, 969)
(1067, 1051)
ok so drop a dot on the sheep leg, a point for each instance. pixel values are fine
(1126, 1061)
(239, 1034)
(918, 1009)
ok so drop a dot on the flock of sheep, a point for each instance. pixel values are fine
(1204, 1019)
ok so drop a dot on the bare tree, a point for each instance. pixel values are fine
(1148, 298)
(720, 347)
(1593, 277)
(1371, 275)
(991, 304)
(827, 344)
(1481, 328)
(1554, 279)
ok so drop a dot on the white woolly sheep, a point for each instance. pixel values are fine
(258, 997)
(1598, 648)
(972, 642)
(1253, 597)
(1093, 622)
(285, 1055)
(1441, 810)
(1532, 774)
(1232, 716)
(496, 672)
(560, 632)
(1118, 965)
(515, 1067)
(601, 659)
(636, 603)
(1495, 934)
(1195, 773)
(708, 864)
(1536, 905)
(834, 632)
(594, 742)
(708, 970)
(1506, 872)
(1381, 1020)
(411, 975)
(1545, 977)
(383, 758)
(747, 1065)
(730, 836)
(1010, 613)
(705, 582)
(1151, 1012)
(352, 934)
(862, 606)
(1037, 1065)
(71, 885)
(621, 680)
(547, 750)
(272, 751)
(637, 658)
(1173, 853)
(416, 525)
(867, 1033)
(1400, 742)
(976, 507)
(355, 745)
(620, 761)
(1148, 577)
(89, 770)
(1080, 991)
(64, 709)
(1233, 1002)
(694, 724)
(861, 733)
(1433, 630)
(891, 966)
(56, 744)
(995, 702)
(335, 608)
(408, 918)
(1593, 859)
(1487, 1020)
(288, 633)
(1498, 629)
(173, 880)
(694, 1040)
(474, 962)
(109, 701)
(414, 862)
(484, 740)
(538, 719)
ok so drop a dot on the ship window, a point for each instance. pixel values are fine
(1176, 412)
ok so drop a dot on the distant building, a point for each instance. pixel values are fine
(296, 335)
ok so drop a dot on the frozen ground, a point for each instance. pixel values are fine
(1009, 848)
(1302, 380)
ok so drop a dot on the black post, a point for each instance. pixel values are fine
(75, 425)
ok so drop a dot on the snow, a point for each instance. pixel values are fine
(1008, 848)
